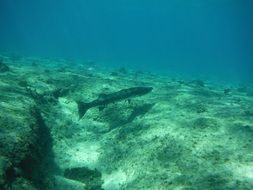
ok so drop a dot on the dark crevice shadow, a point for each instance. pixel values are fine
(39, 166)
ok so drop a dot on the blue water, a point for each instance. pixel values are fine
(186, 37)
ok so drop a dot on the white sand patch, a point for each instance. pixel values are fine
(69, 108)
(82, 154)
(117, 179)
(242, 171)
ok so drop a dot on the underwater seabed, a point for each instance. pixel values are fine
(185, 134)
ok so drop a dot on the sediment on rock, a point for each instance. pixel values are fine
(25, 148)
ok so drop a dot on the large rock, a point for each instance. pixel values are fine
(25, 141)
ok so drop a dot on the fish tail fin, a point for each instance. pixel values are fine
(82, 108)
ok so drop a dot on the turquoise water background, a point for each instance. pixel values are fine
(169, 36)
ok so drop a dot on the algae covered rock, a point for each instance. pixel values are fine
(24, 139)
(22, 184)
(4, 167)
(18, 145)
(24, 146)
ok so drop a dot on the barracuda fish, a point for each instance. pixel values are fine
(105, 99)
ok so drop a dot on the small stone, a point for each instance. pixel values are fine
(198, 83)
(3, 67)
(227, 91)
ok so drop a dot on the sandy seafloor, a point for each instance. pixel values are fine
(185, 134)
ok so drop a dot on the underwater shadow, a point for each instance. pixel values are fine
(137, 111)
